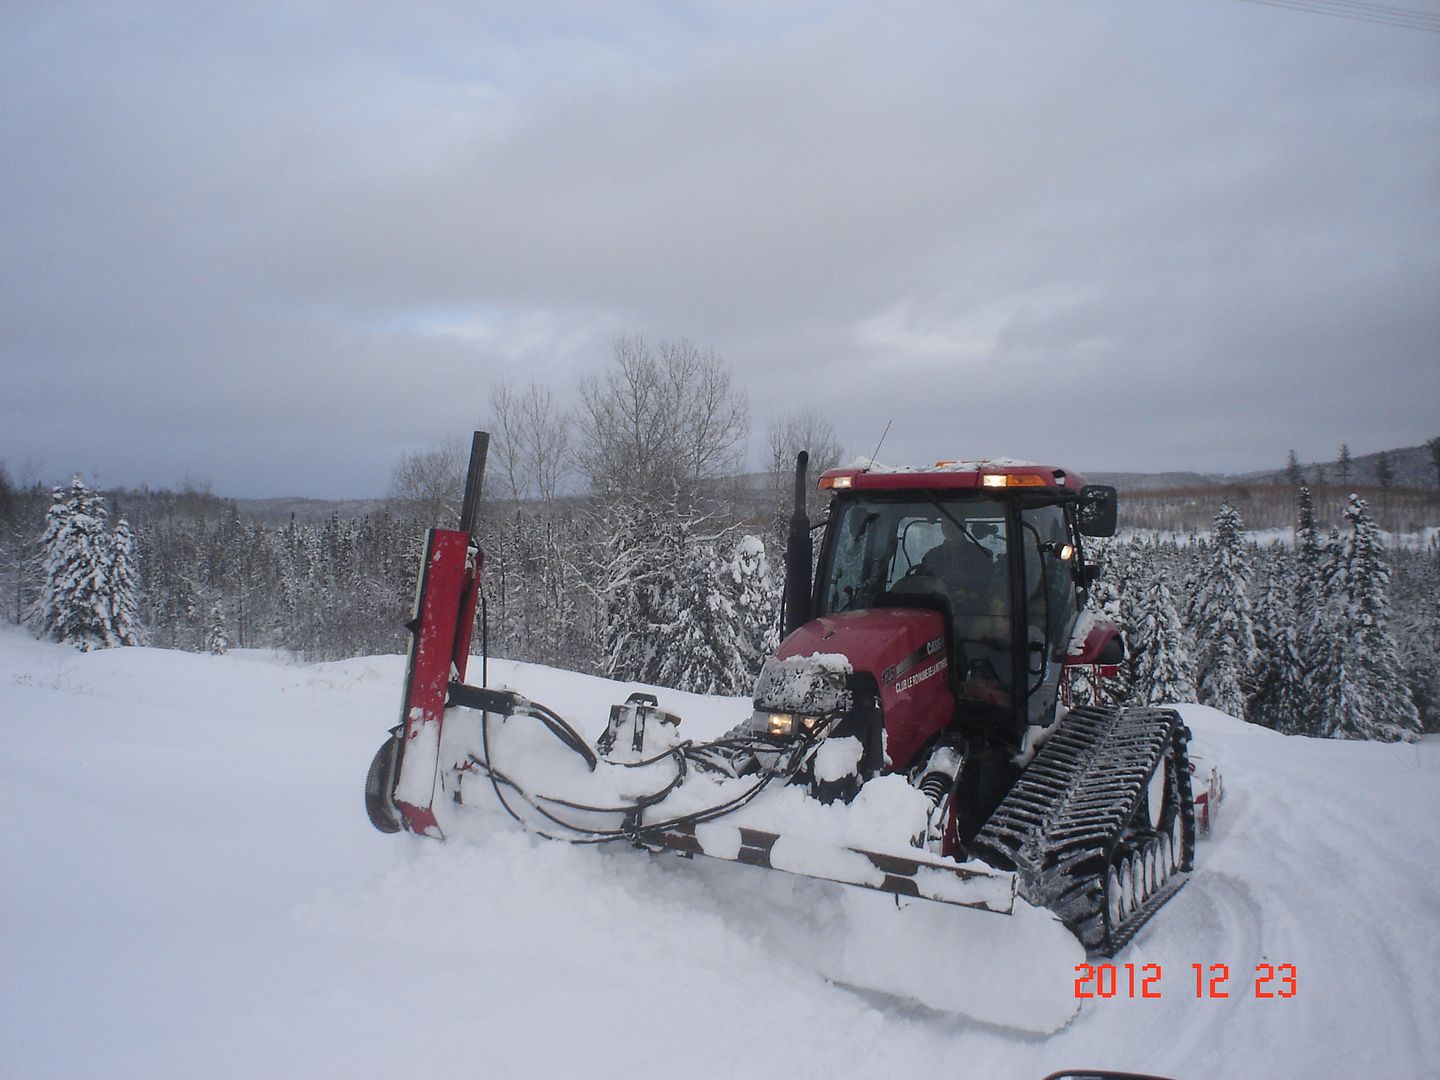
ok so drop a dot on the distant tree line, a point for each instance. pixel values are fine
(1333, 636)
(619, 542)
(659, 571)
(1382, 469)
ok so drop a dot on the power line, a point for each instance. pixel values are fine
(1367, 11)
(1377, 14)
(1365, 6)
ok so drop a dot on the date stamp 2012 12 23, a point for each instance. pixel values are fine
(1212, 981)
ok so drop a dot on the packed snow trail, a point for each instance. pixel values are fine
(192, 889)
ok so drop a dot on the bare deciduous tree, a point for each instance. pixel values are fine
(712, 417)
(549, 441)
(653, 420)
(431, 484)
(1293, 474)
(506, 438)
(809, 430)
(530, 440)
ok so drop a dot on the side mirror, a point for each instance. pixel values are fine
(1097, 510)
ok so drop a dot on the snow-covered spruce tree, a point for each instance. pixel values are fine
(1277, 699)
(124, 586)
(1313, 560)
(217, 640)
(1417, 628)
(697, 638)
(1225, 655)
(1162, 668)
(1190, 564)
(628, 583)
(1362, 693)
(1149, 560)
(75, 602)
(309, 593)
(1116, 596)
(1102, 601)
(756, 594)
(1176, 562)
(551, 604)
(1325, 653)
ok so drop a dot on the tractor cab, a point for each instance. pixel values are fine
(991, 548)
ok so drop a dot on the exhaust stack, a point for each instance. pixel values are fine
(798, 557)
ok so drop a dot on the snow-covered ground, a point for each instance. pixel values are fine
(191, 889)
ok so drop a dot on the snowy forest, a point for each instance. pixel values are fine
(620, 540)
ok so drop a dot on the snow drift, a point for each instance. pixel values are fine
(192, 888)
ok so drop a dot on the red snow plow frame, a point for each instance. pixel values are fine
(439, 651)
(446, 597)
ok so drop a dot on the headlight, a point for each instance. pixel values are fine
(780, 725)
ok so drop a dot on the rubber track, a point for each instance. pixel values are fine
(1059, 825)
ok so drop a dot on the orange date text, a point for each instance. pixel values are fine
(1211, 981)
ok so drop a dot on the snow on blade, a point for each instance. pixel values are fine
(1015, 971)
(838, 758)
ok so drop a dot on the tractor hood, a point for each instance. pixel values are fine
(904, 652)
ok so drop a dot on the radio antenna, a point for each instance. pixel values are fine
(880, 443)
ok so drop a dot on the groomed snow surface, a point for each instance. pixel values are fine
(191, 889)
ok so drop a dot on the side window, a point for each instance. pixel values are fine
(845, 587)
(866, 556)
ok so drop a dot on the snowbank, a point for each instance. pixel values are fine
(192, 889)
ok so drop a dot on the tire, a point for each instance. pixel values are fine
(379, 783)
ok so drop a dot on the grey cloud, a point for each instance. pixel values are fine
(283, 244)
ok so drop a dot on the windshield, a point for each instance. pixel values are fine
(879, 545)
(953, 552)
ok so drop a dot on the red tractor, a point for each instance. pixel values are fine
(956, 592)
(935, 641)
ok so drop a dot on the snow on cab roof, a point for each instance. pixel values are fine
(977, 465)
(979, 472)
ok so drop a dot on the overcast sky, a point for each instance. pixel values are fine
(273, 248)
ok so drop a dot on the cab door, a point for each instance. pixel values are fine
(1050, 608)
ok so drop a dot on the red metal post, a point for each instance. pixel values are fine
(444, 621)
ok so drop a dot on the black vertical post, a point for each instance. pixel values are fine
(469, 510)
(798, 556)
(474, 480)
